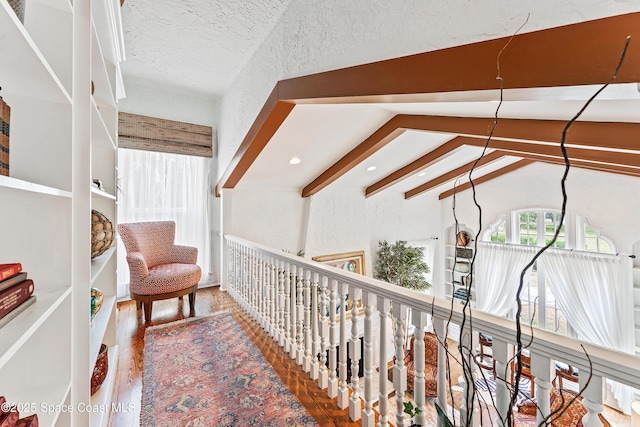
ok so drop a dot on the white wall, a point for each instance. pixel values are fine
(337, 224)
(271, 217)
(320, 36)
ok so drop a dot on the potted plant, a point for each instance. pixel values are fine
(412, 411)
(402, 265)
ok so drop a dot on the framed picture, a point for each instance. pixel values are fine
(349, 261)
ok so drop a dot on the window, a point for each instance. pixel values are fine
(594, 243)
(536, 227)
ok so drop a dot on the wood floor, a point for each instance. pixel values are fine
(128, 387)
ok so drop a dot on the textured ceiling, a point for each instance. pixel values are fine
(197, 45)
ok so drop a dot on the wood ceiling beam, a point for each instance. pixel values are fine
(485, 178)
(608, 135)
(451, 175)
(616, 169)
(273, 114)
(614, 162)
(418, 164)
(577, 54)
(377, 140)
(596, 156)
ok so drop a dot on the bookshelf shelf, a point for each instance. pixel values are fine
(9, 183)
(102, 398)
(100, 325)
(99, 263)
(62, 137)
(24, 69)
(17, 332)
(101, 193)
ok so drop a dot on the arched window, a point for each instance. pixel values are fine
(591, 239)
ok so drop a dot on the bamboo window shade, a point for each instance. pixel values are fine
(168, 136)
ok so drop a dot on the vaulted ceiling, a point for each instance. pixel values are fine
(418, 124)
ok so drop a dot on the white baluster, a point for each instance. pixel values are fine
(383, 400)
(439, 328)
(314, 371)
(541, 369)
(306, 365)
(300, 317)
(419, 320)
(287, 307)
(252, 283)
(245, 274)
(281, 324)
(469, 410)
(368, 416)
(501, 354)
(333, 339)
(293, 347)
(323, 376)
(399, 370)
(263, 294)
(343, 391)
(592, 399)
(274, 292)
(355, 404)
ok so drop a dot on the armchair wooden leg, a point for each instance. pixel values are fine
(192, 304)
(147, 312)
(138, 305)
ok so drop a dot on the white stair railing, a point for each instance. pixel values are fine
(288, 296)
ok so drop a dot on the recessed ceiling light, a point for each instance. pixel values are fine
(295, 160)
(371, 168)
(422, 174)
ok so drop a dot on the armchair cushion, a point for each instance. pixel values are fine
(571, 417)
(167, 278)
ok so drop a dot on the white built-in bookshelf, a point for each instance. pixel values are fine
(62, 137)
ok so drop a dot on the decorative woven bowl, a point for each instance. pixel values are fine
(97, 298)
(102, 233)
(100, 370)
(18, 8)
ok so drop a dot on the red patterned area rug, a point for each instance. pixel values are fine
(206, 372)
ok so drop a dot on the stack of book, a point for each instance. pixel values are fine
(16, 291)
(9, 416)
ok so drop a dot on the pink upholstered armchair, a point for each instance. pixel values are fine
(159, 269)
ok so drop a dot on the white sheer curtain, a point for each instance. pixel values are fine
(595, 294)
(161, 186)
(498, 268)
(429, 247)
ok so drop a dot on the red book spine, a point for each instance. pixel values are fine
(30, 421)
(8, 270)
(14, 296)
(13, 280)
